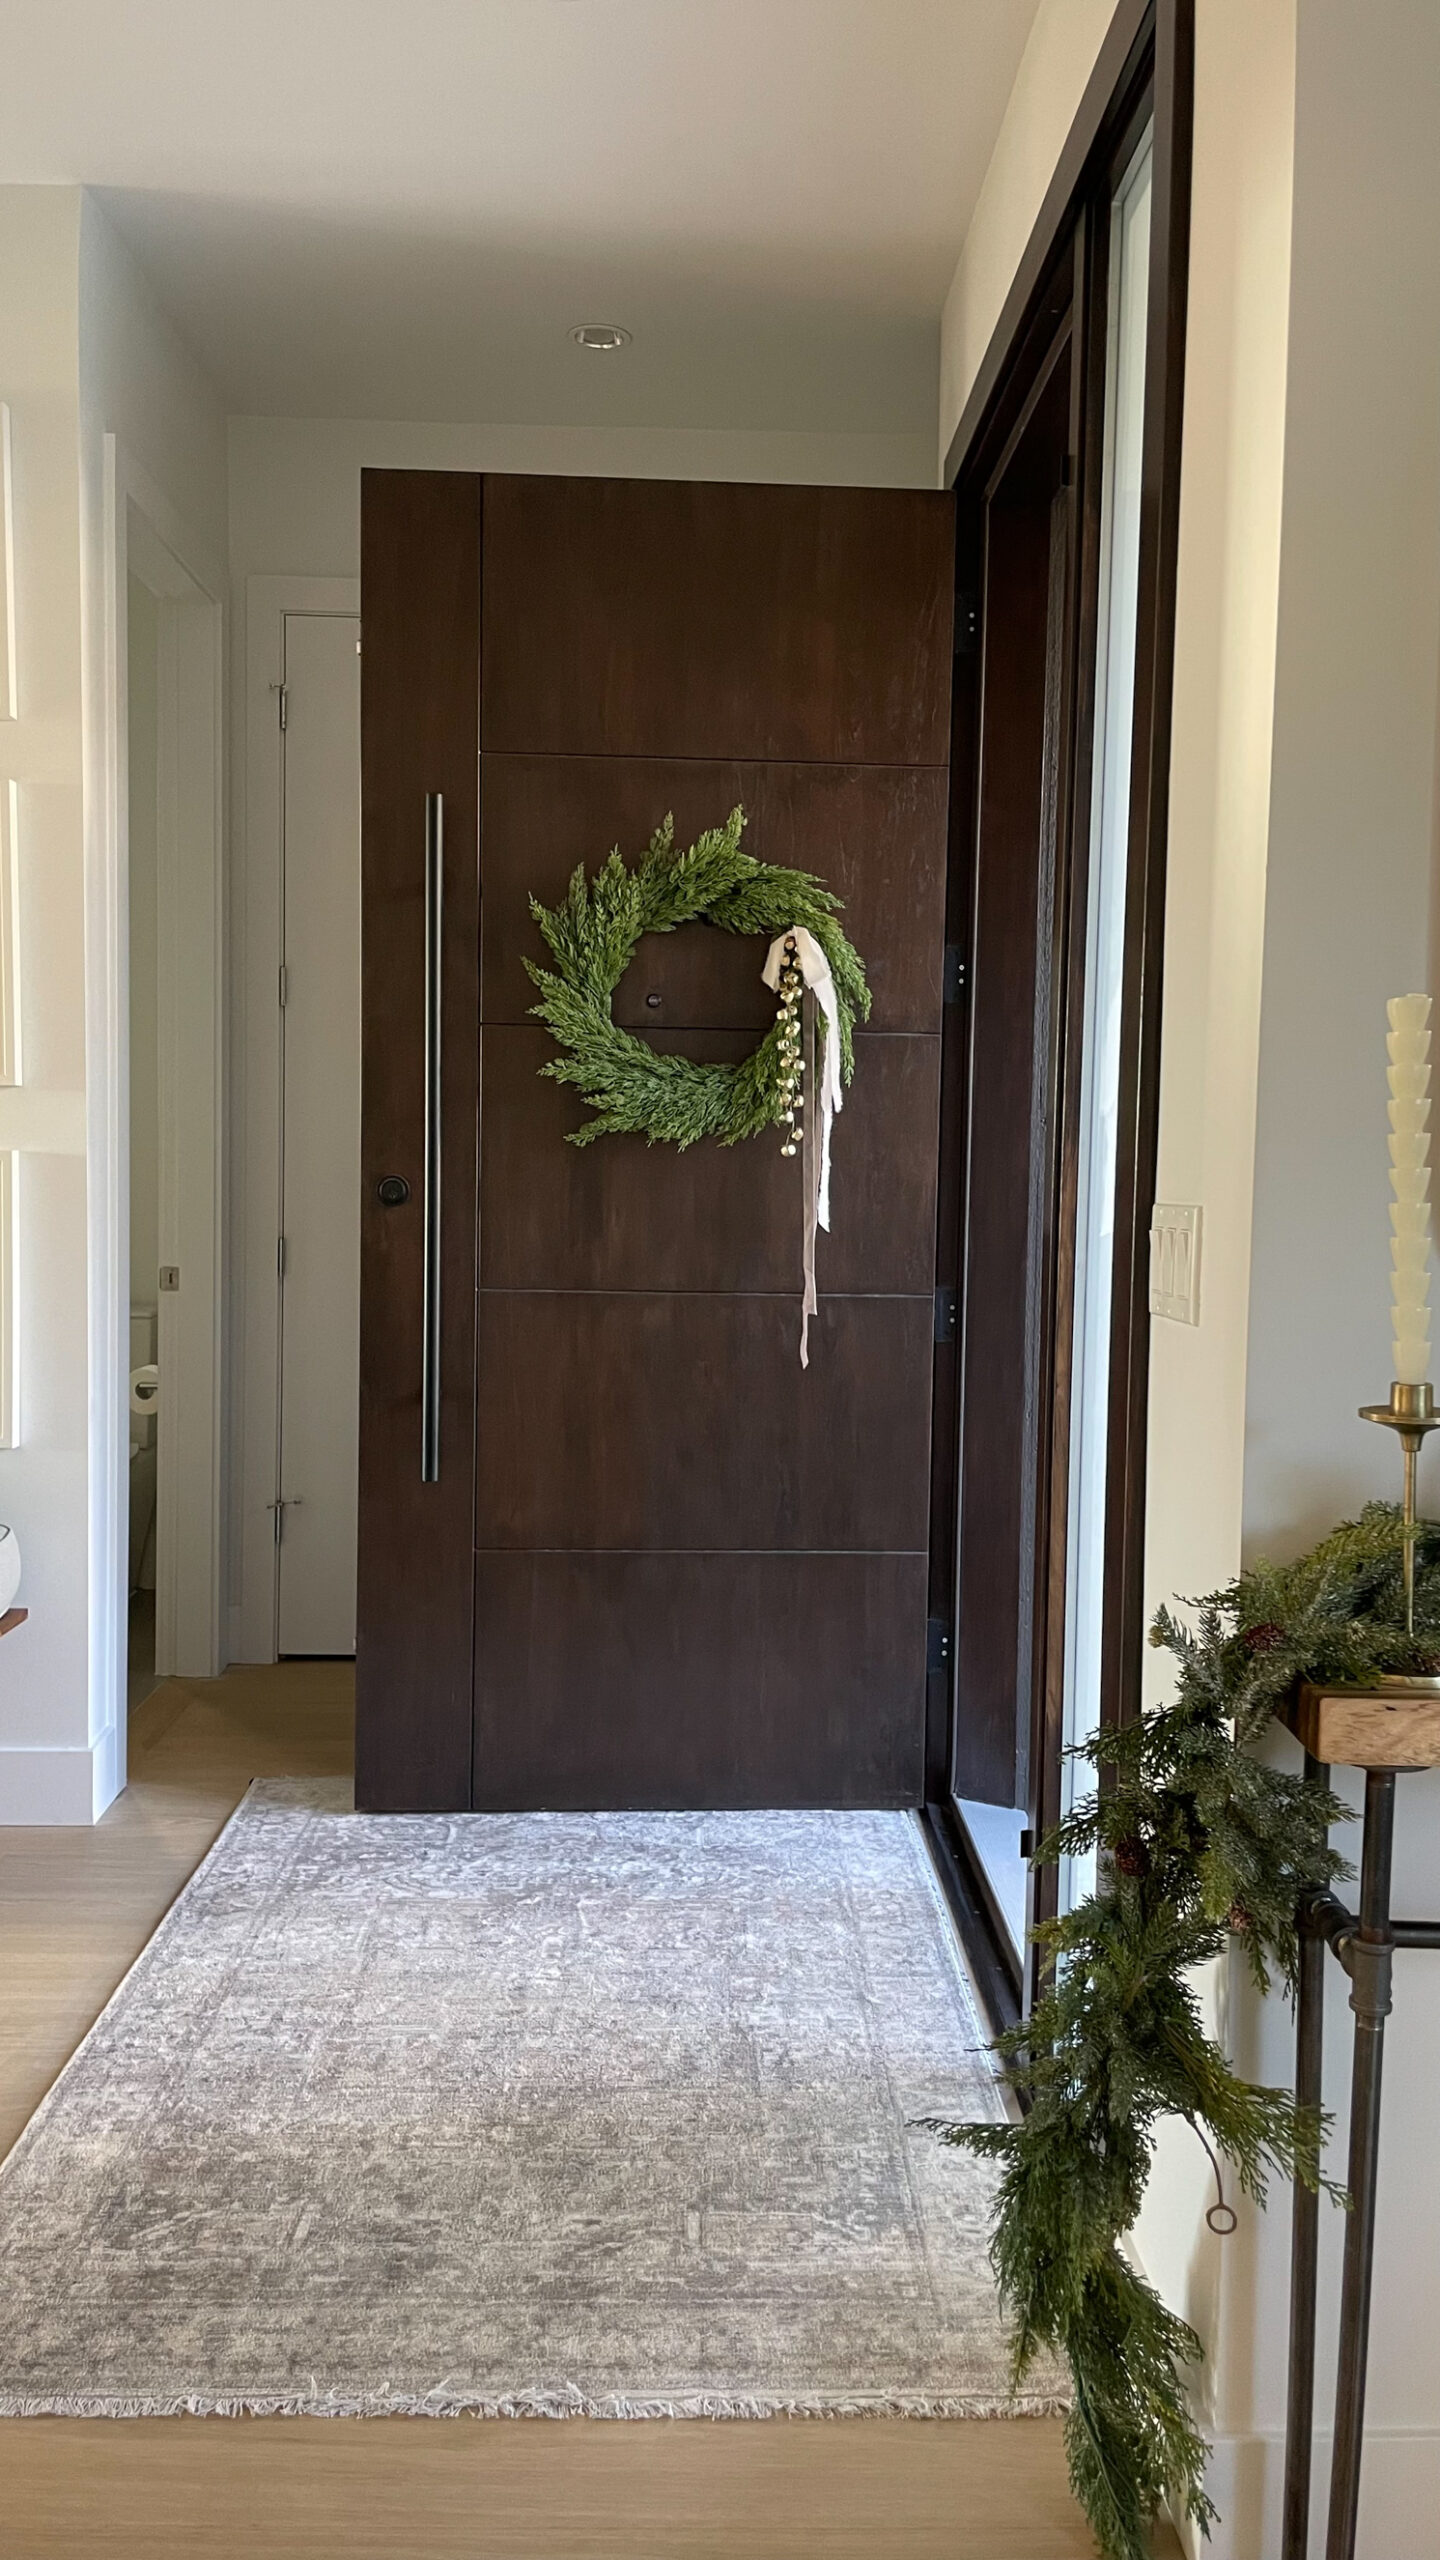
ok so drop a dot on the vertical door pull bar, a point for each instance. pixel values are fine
(430, 1313)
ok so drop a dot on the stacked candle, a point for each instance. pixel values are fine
(1409, 1051)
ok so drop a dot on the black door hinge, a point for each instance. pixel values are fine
(954, 972)
(967, 623)
(937, 1644)
(946, 1314)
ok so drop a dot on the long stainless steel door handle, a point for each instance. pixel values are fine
(430, 1312)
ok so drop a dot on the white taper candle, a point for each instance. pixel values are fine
(1408, 1046)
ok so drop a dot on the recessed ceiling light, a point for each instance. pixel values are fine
(600, 336)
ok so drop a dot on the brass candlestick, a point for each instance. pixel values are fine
(1410, 1413)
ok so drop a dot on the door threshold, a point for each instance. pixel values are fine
(990, 1952)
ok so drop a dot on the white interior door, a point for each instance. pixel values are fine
(320, 1135)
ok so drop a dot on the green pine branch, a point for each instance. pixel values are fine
(1201, 1846)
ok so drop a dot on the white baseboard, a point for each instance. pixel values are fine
(108, 1756)
(1399, 2496)
(60, 1788)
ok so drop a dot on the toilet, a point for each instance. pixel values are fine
(144, 1328)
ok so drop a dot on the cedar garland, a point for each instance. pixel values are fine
(1201, 1844)
(592, 936)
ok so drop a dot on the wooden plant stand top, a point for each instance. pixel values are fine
(1384, 1732)
(11, 1619)
(1368, 1728)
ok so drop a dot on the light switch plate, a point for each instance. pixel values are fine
(1175, 1262)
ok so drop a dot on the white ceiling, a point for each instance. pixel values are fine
(398, 208)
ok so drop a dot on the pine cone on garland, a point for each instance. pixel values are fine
(1262, 1639)
(1132, 1858)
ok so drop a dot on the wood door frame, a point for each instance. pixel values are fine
(1145, 71)
(257, 928)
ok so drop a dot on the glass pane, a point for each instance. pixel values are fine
(1104, 959)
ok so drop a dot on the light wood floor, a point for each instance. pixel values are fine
(75, 1909)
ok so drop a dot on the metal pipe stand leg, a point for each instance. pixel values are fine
(1369, 1962)
(1304, 2246)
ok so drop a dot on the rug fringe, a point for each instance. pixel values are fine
(532, 2404)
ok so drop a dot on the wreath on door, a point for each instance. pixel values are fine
(633, 1088)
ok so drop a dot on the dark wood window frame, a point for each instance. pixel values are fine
(1144, 74)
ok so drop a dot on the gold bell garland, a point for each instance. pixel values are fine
(792, 1057)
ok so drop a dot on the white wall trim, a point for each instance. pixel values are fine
(255, 1331)
(11, 1180)
(107, 1172)
(54, 1787)
(143, 534)
(9, 689)
(1399, 2495)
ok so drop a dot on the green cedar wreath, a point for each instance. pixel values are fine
(592, 936)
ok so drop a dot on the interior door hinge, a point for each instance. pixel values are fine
(280, 1257)
(946, 1315)
(937, 1644)
(967, 622)
(282, 703)
(284, 985)
(954, 972)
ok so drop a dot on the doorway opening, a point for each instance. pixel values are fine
(300, 1036)
(166, 1342)
(142, 613)
(318, 1264)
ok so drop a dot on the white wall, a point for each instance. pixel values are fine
(1054, 68)
(140, 382)
(84, 353)
(295, 482)
(1350, 919)
(1353, 810)
(1225, 660)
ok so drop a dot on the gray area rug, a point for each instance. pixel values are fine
(530, 2114)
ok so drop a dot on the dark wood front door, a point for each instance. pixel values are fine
(658, 1563)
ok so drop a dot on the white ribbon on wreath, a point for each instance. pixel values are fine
(823, 1074)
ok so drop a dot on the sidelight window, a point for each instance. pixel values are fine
(1106, 906)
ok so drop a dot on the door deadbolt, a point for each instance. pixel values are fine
(392, 1191)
